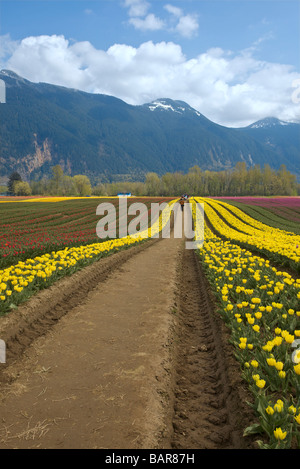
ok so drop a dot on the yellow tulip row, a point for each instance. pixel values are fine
(242, 228)
(261, 305)
(16, 278)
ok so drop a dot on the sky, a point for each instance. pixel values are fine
(234, 61)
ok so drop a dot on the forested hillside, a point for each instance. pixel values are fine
(106, 139)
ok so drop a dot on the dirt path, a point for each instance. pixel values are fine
(125, 354)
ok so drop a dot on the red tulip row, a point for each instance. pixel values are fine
(32, 228)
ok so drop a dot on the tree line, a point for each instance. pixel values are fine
(239, 181)
(59, 185)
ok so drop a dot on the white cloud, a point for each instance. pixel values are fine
(173, 10)
(187, 25)
(137, 7)
(138, 17)
(7, 47)
(149, 23)
(230, 89)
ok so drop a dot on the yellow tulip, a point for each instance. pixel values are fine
(279, 434)
(271, 361)
(279, 366)
(297, 369)
(260, 383)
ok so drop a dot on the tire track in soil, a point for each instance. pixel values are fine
(210, 411)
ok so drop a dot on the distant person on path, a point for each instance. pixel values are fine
(182, 201)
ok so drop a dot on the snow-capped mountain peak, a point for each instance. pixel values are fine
(268, 122)
(165, 104)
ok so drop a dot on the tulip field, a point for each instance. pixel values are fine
(42, 241)
(37, 226)
(244, 260)
(250, 256)
(287, 208)
(278, 212)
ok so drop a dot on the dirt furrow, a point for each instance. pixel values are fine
(209, 409)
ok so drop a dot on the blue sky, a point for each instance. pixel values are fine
(234, 61)
(233, 25)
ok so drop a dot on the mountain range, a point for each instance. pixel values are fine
(42, 125)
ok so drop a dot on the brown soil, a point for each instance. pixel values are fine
(128, 353)
(210, 409)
